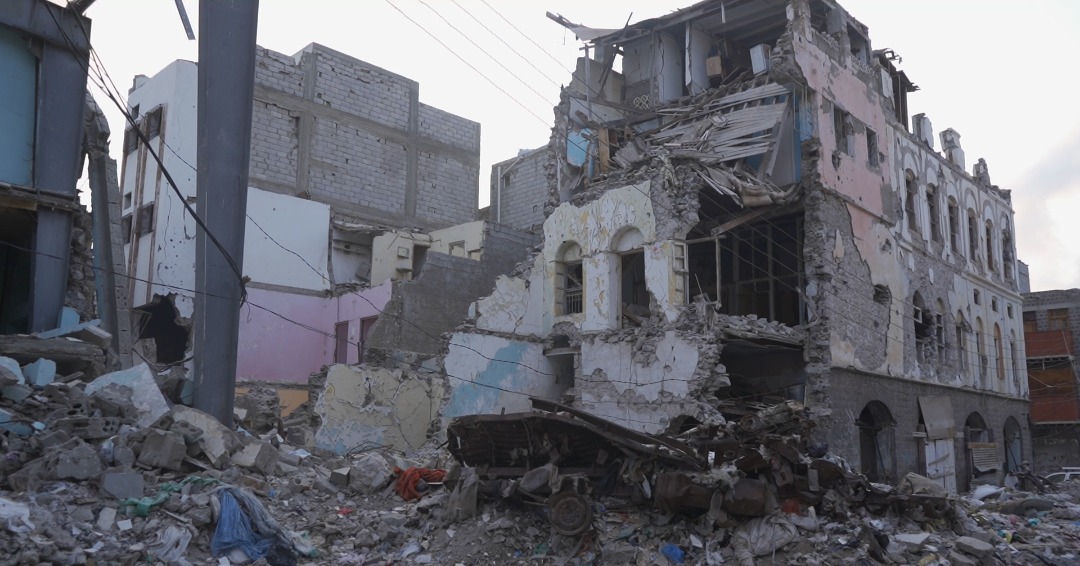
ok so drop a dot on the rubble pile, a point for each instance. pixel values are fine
(108, 471)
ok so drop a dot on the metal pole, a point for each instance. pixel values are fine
(226, 85)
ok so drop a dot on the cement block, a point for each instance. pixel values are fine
(78, 463)
(163, 449)
(69, 317)
(145, 395)
(974, 546)
(259, 456)
(89, 428)
(123, 485)
(10, 372)
(40, 373)
(340, 477)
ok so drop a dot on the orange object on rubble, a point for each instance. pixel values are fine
(408, 479)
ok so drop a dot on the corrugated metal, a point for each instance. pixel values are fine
(984, 456)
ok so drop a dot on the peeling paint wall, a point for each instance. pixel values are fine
(490, 374)
(365, 407)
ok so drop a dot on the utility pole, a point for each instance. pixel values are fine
(226, 85)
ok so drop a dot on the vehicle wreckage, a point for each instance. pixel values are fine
(567, 460)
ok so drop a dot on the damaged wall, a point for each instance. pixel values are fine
(365, 407)
(519, 189)
(438, 299)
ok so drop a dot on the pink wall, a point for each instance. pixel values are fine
(278, 350)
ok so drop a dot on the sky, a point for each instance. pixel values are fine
(999, 73)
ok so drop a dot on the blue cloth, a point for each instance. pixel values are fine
(234, 531)
(672, 552)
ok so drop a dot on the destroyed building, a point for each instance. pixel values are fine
(741, 210)
(1051, 327)
(44, 232)
(355, 189)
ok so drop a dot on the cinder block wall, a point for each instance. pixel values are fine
(335, 129)
(524, 190)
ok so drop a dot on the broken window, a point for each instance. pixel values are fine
(680, 266)
(634, 292)
(144, 220)
(419, 256)
(569, 281)
(976, 296)
(990, 263)
(872, 156)
(939, 331)
(125, 228)
(761, 270)
(954, 225)
(932, 212)
(1007, 254)
(993, 304)
(973, 236)
(1057, 319)
(843, 128)
(131, 141)
(910, 199)
(153, 123)
(458, 248)
(17, 230)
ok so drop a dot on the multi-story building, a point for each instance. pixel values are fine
(1051, 326)
(353, 182)
(742, 211)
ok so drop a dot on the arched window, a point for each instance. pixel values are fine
(962, 330)
(984, 361)
(924, 329)
(909, 201)
(999, 351)
(990, 263)
(973, 236)
(1007, 253)
(933, 212)
(569, 280)
(954, 225)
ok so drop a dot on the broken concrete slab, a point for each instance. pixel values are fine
(145, 395)
(123, 485)
(163, 449)
(40, 373)
(261, 408)
(12, 424)
(974, 546)
(17, 392)
(261, 456)
(218, 442)
(106, 519)
(80, 462)
(10, 372)
(370, 472)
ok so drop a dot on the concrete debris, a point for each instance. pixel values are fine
(145, 394)
(262, 409)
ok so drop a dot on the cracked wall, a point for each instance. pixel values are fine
(366, 407)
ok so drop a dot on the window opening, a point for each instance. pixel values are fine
(158, 322)
(984, 362)
(973, 237)
(1057, 319)
(634, 292)
(872, 156)
(924, 329)
(1007, 254)
(999, 348)
(704, 277)
(932, 212)
(418, 259)
(954, 226)
(909, 204)
(1030, 322)
(569, 281)
(843, 127)
(341, 343)
(761, 270)
(990, 263)
(367, 325)
(961, 341)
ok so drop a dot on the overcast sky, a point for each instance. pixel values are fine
(1000, 73)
